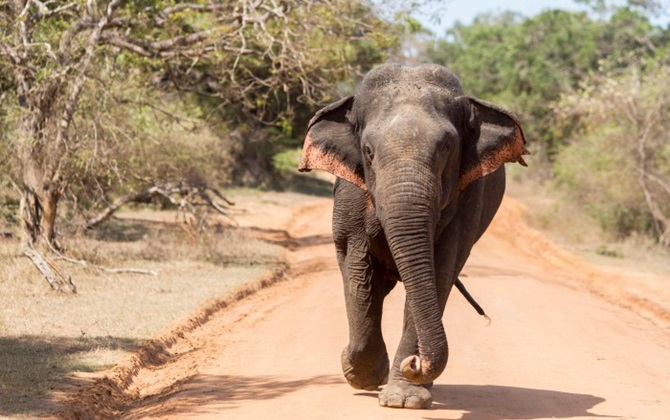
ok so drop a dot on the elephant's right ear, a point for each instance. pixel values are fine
(331, 144)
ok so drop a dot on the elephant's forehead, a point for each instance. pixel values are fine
(409, 88)
(403, 96)
(400, 77)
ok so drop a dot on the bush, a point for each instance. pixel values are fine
(617, 163)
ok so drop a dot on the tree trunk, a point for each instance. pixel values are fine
(38, 209)
(39, 205)
(38, 216)
(48, 222)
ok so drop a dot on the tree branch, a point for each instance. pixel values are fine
(166, 48)
(77, 85)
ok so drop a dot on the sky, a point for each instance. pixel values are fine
(466, 10)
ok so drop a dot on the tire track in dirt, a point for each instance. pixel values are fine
(551, 352)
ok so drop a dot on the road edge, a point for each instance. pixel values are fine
(109, 395)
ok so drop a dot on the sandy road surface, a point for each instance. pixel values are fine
(558, 346)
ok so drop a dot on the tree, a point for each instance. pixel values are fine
(247, 60)
(526, 64)
(617, 162)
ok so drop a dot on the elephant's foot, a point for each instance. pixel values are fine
(362, 375)
(402, 394)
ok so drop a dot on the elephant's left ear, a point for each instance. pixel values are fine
(495, 137)
(331, 144)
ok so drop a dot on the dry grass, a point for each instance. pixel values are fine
(566, 223)
(46, 336)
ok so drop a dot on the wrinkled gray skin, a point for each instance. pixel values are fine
(420, 177)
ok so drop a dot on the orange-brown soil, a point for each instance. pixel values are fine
(567, 340)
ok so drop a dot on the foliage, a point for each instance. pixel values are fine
(136, 138)
(285, 162)
(589, 89)
(618, 162)
(599, 174)
(525, 64)
(101, 96)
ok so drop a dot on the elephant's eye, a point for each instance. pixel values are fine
(369, 154)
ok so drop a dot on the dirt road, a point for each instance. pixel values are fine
(567, 340)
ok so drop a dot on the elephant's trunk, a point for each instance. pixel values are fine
(408, 211)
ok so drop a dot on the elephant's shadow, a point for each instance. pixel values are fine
(495, 402)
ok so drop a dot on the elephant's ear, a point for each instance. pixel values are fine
(495, 137)
(331, 143)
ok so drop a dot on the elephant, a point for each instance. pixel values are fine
(420, 174)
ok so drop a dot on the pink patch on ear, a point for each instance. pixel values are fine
(509, 152)
(315, 158)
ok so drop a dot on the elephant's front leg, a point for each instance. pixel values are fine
(400, 392)
(365, 361)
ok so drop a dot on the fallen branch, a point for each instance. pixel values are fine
(185, 195)
(51, 273)
(116, 204)
(129, 270)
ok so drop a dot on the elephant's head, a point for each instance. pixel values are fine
(413, 142)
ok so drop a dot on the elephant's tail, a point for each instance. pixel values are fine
(461, 288)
